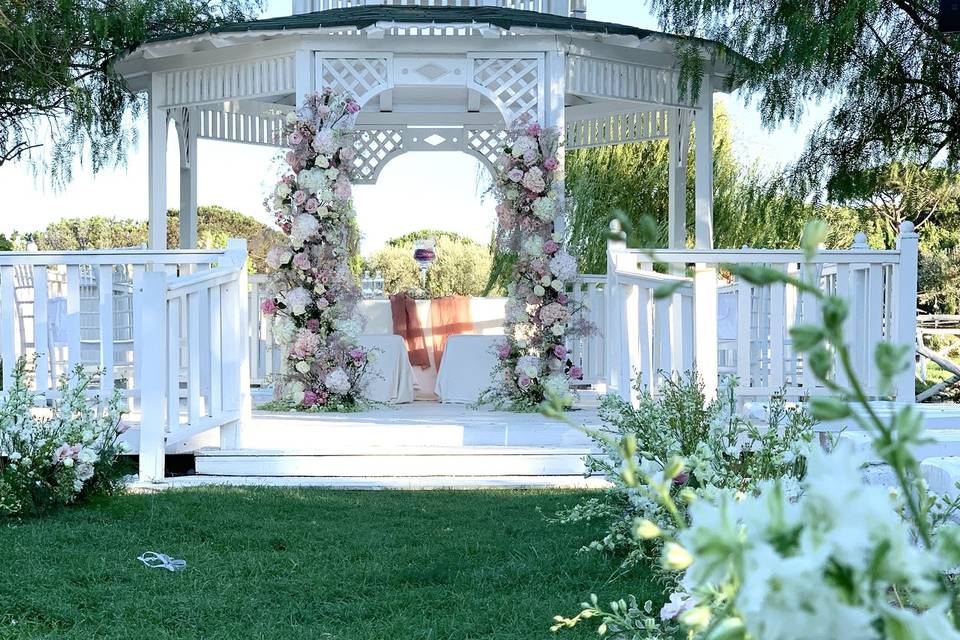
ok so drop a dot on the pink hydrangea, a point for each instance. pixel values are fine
(533, 180)
(551, 164)
(306, 344)
(268, 306)
(550, 247)
(554, 313)
(301, 261)
(534, 129)
(309, 398)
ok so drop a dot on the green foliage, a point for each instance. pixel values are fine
(938, 281)
(215, 226)
(462, 266)
(409, 565)
(60, 91)
(892, 77)
(750, 207)
(6, 244)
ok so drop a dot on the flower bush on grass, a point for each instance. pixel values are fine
(313, 292)
(533, 360)
(62, 455)
(840, 560)
(722, 449)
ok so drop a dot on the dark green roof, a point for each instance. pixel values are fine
(362, 17)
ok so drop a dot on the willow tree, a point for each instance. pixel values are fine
(750, 207)
(892, 78)
(59, 94)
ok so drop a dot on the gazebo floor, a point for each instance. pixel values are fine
(417, 445)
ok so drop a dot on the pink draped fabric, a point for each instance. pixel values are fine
(448, 316)
(406, 324)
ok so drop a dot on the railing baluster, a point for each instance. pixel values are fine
(215, 354)
(8, 307)
(173, 364)
(73, 317)
(194, 378)
(41, 328)
(105, 288)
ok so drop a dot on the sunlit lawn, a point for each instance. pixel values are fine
(302, 563)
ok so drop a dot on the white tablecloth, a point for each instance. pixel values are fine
(487, 315)
(465, 370)
(390, 377)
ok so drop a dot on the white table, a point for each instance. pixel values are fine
(390, 377)
(465, 370)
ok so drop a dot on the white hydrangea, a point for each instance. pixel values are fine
(556, 385)
(311, 180)
(522, 146)
(278, 256)
(337, 381)
(293, 391)
(532, 246)
(284, 330)
(298, 300)
(563, 266)
(324, 142)
(528, 366)
(303, 228)
(351, 328)
(545, 208)
(283, 189)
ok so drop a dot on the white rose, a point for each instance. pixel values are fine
(531, 372)
(546, 280)
(291, 117)
(373, 356)
(557, 285)
(68, 462)
(303, 367)
(332, 173)
(283, 189)
(87, 435)
(558, 330)
(14, 456)
(539, 291)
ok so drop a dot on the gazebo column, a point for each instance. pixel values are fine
(187, 135)
(705, 275)
(157, 122)
(678, 121)
(555, 72)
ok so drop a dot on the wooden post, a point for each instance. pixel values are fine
(705, 342)
(905, 301)
(555, 82)
(153, 322)
(614, 311)
(704, 167)
(187, 135)
(157, 166)
(678, 122)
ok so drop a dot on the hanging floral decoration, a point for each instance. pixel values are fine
(540, 315)
(313, 294)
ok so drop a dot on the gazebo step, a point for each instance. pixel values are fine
(408, 482)
(395, 462)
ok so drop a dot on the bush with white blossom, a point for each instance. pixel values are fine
(55, 456)
(313, 292)
(840, 559)
(540, 316)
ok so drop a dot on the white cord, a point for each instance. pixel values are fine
(156, 560)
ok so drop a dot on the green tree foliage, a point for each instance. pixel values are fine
(6, 244)
(462, 266)
(215, 225)
(750, 207)
(58, 87)
(892, 77)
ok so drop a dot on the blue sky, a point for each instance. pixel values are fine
(416, 190)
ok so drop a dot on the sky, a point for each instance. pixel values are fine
(440, 190)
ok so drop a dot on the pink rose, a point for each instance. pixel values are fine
(313, 324)
(562, 298)
(560, 351)
(550, 164)
(292, 159)
(534, 129)
(295, 138)
(322, 304)
(515, 175)
(550, 246)
(299, 197)
(357, 354)
(323, 111)
(341, 189)
(309, 398)
(576, 373)
(524, 382)
(311, 205)
(503, 350)
(353, 106)
(268, 306)
(301, 261)
(122, 427)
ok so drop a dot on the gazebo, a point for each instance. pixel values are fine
(443, 75)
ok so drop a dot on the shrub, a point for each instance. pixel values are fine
(61, 455)
(462, 267)
(722, 450)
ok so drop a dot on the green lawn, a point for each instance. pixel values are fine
(302, 563)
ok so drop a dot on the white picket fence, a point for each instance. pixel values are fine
(648, 338)
(166, 327)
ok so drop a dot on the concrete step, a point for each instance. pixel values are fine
(409, 482)
(394, 462)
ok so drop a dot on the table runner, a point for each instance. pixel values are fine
(406, 324)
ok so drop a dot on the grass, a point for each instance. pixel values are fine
(303, 563)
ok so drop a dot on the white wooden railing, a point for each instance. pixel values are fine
(575, 8)
(165, 327)
(647, 338)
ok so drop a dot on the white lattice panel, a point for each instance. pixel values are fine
(485, 144)
(513, 84)
(241, 127)
(623, 81)
(255, 78)
(360, 76)
(617, 129)
(375, 147)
